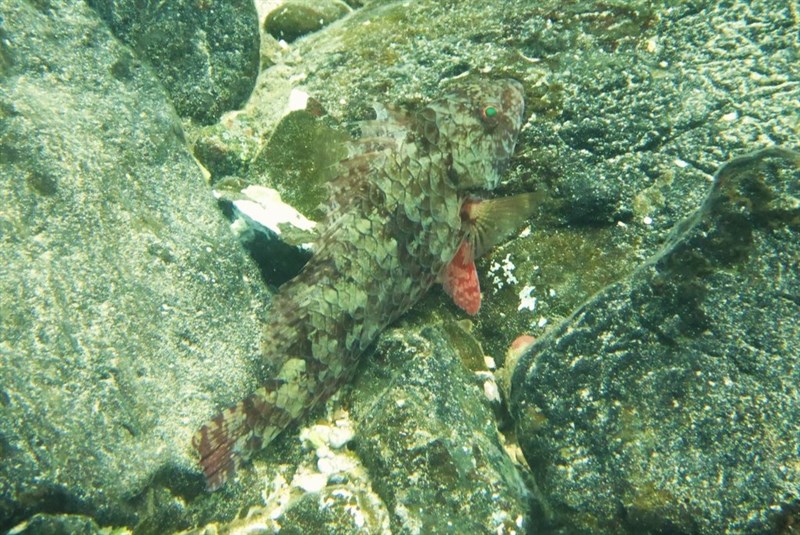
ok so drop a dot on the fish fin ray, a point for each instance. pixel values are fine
(491, 221)
(460, 280)
(232, 437)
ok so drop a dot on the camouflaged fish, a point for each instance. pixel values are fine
(402, 216)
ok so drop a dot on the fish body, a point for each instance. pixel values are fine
(401, 217)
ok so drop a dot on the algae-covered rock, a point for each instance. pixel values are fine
(428, 438)
(340, 510)
(296, 18)
(127, 310)
(223, 153)
(206, 53)
(670, 400)
(299, 159)
(633, 107)
(60, 524)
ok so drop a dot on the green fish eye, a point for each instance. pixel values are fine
(489, 112)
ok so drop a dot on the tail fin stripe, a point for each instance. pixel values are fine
(233, 435)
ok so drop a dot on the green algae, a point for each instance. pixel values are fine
(300, 159)
(467, 347)
(297, 18)
(564, 265)
(224, 151)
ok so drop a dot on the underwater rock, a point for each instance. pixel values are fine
(221, 152)
(427, 436)
(296, 18)
(670, 400)
(206, 53)
(340, 510)
(57, 524)
(124, 298)
(299, 159)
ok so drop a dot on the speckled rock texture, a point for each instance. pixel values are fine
(205, 52)
(428, 436)
(296, 18)
(107, 231)
(123, 295)
(670, 401)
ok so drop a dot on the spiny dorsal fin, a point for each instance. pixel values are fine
(378, 140)
(491, 221)
(352, 183)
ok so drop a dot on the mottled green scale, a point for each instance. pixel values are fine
(393, 224)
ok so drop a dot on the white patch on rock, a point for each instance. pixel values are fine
(310, 481)
(326, 435)
(491, 391)
(298, 100)
(502, 273)
(265, 207)
(526, 299)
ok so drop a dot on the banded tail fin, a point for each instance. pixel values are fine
(234, 435)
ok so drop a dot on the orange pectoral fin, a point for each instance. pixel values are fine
(460, 280)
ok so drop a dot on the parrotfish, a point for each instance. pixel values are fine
(404, 213)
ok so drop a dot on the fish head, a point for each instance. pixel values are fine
(476, 125)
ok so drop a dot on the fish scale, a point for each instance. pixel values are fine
(393, 224)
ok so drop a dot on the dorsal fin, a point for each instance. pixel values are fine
(378, 139)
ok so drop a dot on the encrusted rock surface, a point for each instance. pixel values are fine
(427, 435)
(205, 52)
(670, 400)
(295, 18)
(124, 297)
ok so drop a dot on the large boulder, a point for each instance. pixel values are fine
(670, 400)
(206, 53)
(124, 298)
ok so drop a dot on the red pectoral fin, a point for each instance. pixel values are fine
(460, 280)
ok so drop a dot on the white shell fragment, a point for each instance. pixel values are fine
(264, 206)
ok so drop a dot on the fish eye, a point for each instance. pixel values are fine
(488, 112)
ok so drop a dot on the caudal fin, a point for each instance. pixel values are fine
(235, 434)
